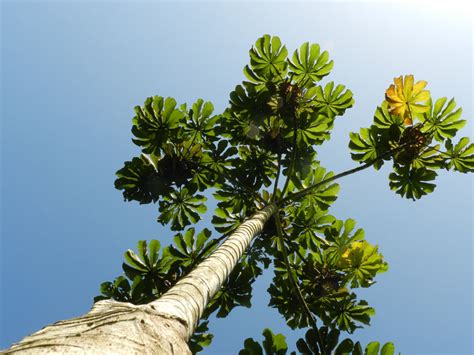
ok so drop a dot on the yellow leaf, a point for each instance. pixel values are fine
(406, 98)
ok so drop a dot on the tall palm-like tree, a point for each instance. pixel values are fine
(259, 159)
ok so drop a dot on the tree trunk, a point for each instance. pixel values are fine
(161, 327)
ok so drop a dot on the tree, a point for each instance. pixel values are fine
(269, 132)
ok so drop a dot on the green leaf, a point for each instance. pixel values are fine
(412, 182)
(133, 260)
(442, 121)
(156, 123)
(347, 313)
(308, 65)
(384, 120)
(388, 349)
(237, 291)
(357, 349)
(140, 181)
(372, 348)
(368, 146)
(226, 220)
(362, 262)
(267, 60)
(251, 348)
(188, 249)
(274, 343)
(181, 208)
(345, 347)
(255, 167)
(283, 298)
(200, 126)
(340, 236)
(324, 195)
(330, 101)
(309, 225)
(429, 158)
(461, 155)
(154, 251)
(313, 129)
(200, 337)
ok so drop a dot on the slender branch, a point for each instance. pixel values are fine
(292, 159)
(305, 191)
(294, 285)
(277, 178)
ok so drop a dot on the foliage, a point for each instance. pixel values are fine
(408, 130)
(275, 344)
(270, 131)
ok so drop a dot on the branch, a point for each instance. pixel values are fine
(277, 178)
(293, 158)
(305, 191)
(294, 285)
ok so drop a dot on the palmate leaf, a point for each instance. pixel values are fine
(152, 274)
(319, 278)
(255, 167)
(340, 236)
(442, 120)
(309, 345)
(330, 338)
(283, 298)
(181, 208)
(411, 182)
(406, 99)
(273, 344)
(330, 101)
(308, 226)
(383, 119)
(118, 290)
(140, 181)
(430, 157)
(461, 155)
(308, 65)
(249, 101)
(200, 337)
(323, 196)
(347, 347)
(267, 60)
(189, 249)
(313, 129)
(148, 271)
(226, 220)
(237, 291)
(346, 313)
(362, 262)
(369, 145)
(155, 123)
(200, 126)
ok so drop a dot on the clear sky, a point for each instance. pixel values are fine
(72, 73)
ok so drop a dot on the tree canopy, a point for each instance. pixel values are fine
(262, 150)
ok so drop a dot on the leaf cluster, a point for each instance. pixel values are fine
(262, 150)
(275, 344)
(151, 271)
(328, 265)
(417, 138)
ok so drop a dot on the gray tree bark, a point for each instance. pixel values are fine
(163, 326)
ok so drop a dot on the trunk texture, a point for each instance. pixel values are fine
(160, 327)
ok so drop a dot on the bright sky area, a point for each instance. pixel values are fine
(72, 73)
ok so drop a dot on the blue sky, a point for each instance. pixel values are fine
(72, 73)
